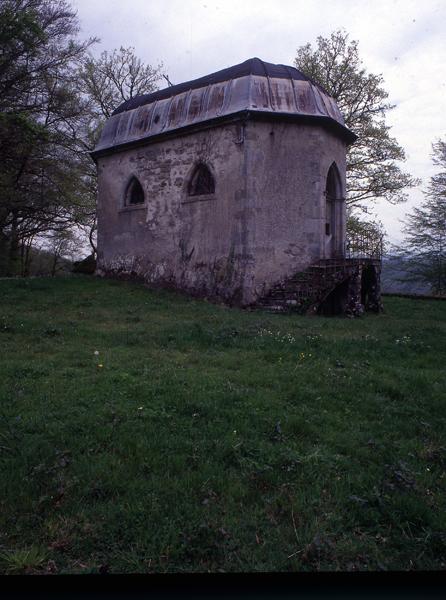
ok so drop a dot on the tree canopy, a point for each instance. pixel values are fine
(40, 188)
(54, 98)
(373, 169)
(424, 248)
(115, 77)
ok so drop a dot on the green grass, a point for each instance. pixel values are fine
(214, 439)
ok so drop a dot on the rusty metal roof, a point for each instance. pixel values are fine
(252, 88)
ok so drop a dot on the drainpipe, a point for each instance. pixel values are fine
(241, 139)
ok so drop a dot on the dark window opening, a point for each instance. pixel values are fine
(333, 183)
(201, 182)
(135, 193)
(333, 214)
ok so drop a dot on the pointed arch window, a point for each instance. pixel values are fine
(334, 215)
(202, 182)
(134, 194)
(332, 194)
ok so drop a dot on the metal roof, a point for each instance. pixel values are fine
(253, 88)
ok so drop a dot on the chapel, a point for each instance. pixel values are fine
(232, 187)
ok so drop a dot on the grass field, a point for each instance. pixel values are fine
(142, 431)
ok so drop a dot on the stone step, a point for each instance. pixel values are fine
(304, 291)
(305, 288)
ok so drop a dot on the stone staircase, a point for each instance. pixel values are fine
(306, 291)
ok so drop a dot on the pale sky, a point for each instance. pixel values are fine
(404, 40)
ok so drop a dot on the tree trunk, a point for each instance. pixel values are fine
(13, 255)
(54, 265)
(28, 257)
(90, 237)
(4, 255)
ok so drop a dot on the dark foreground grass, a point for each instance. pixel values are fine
(203, 438)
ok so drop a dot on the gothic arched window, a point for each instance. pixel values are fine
(332, 194)
(134, 193)
(201, 182)
(334, 215)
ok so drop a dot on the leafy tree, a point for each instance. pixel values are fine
(115, 77)
(372, 161)
(39, 112)
(424, 249)
(61, 245)
(105, 83)
(54, 99)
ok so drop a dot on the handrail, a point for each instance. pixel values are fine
(363, 245)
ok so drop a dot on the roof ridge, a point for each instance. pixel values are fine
(251, 66)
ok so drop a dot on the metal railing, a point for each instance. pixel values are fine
(363, 245)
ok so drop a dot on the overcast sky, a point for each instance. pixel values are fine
(404, 40)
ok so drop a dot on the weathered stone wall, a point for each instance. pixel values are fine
(287, 170)
(265, 221)
(193, 243)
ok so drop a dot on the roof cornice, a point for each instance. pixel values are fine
(245, 115)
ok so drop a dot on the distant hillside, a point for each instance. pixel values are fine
(393, 278)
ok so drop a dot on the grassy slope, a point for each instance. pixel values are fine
(216, 439)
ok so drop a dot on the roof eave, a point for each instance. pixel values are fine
(343, 132)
